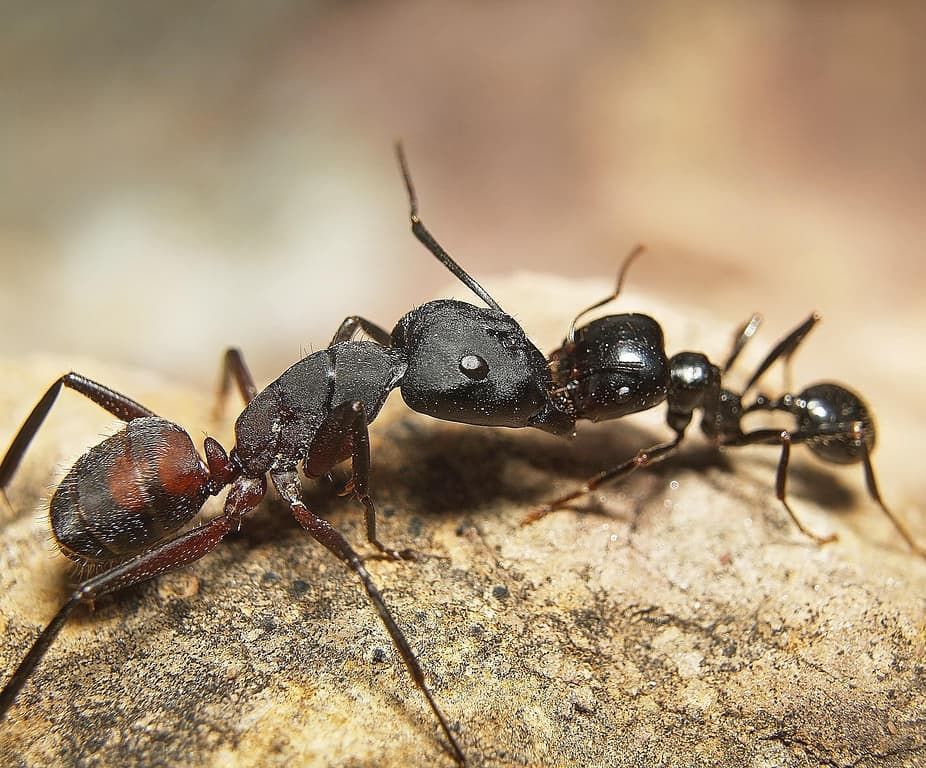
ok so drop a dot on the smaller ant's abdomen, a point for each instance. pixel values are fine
(128, 492)
(841, 420)
(617, 366)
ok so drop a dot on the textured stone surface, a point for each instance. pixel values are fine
(678, 619)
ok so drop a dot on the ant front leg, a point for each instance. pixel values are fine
(117, 404)
(743, 335)
(233, 368)
(349, 327)
(182, 550)
(348, 423)
(643, 458)
(785, 439)
(287, 483)
(784, 349)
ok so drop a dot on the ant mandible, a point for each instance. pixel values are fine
(617, 365)
(121, 505)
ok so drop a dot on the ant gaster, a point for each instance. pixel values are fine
(120, 506)
(617, 365)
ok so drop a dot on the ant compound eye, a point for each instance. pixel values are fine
(474, 367)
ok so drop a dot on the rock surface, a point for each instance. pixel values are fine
(678, 619)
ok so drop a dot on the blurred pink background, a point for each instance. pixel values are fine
(180, 177)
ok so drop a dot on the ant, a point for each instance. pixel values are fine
(617, 365)
(121, 507)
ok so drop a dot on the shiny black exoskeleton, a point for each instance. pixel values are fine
(121, 505)
(616, 365)
(836, 423)
(611, 368)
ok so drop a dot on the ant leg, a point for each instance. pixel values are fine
(784, 348)
(349, 420)
(643, 458)
(876, 495)
(233, 367)
(780, 488)
(287, 483)
(784, 439)
(117, 404)
(348, 329)
(182, 550)
(743, 335)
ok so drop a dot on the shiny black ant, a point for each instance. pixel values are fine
(121, 505)
(617, 365)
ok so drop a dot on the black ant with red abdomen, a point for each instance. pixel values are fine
(120, 507)
(617, 365)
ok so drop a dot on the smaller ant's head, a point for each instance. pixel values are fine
(614, 366)
(476, 366)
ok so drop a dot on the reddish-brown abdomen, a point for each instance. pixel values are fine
(129, 492)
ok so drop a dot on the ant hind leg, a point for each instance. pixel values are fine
(875, 494)
(117, 404)
(174, 553)
(784, 439)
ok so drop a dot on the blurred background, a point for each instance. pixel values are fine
(179, 177)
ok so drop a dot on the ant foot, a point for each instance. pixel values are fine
(541, 511)
(537, 513)
(6, 501)
(408, 554)
(394, 554)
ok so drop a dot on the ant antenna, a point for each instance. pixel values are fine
(637, 250)
(427, 239)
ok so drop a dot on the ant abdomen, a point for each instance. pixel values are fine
(844, 429)
(128, 492)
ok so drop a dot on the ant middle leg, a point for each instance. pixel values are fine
(117, 404)
(643, 458)
(347, 424)
(287, 483)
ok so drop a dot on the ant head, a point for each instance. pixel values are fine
(614, 366)
(476, 366)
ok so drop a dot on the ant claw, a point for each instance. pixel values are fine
(347, 490)
(384, 553)
(5, 501)
(537, 513)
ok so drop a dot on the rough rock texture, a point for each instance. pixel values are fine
(678, 619)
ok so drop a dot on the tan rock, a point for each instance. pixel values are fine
(677, 619)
